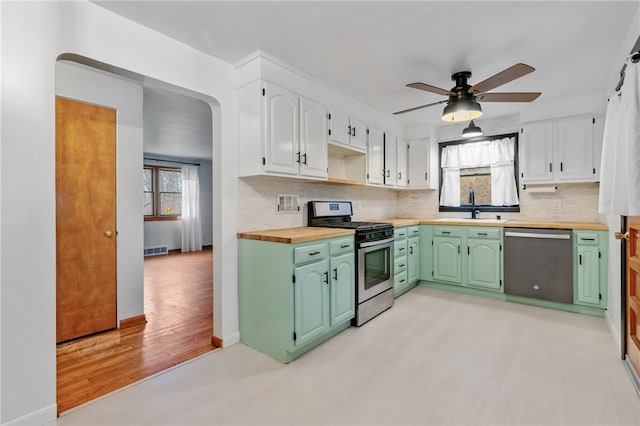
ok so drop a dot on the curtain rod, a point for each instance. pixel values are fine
(171, 161)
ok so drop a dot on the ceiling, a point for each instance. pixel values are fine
(369, 50)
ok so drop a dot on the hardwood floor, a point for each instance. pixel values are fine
(178, 305)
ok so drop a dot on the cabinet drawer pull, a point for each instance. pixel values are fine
(345, 245)
(550, 167)
(313, 253)
(561, 166)
(402, 280)
(335, 274)
(580, 259)
(402, 266)
(446, 232)
(587, 239)
(401, 248)
(484, 234)
(304, 156)
(326, 277)
(458, 249)
(353, 131)
(411, 250)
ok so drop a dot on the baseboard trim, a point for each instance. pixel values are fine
(133, 321)
(43, 416)
(216, 341)
(632, 375)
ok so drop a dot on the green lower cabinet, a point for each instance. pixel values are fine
(311, 302)
(343, 288)
(293, 297)
(447, 266)
(484, 266)
(413, 260)
(590, 268)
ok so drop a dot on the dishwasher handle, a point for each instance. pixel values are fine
(541, 236)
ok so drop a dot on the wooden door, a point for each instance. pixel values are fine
(85, 219)
(633, 291)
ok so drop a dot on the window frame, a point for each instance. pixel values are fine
(156, 194)
(483, 207)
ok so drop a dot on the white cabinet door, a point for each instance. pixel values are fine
(537, 152)
(575, 149)
(358, 138)
(401, 162)
(389, 160)
(375, 166)
(281, 130)
(418, 164)
(313, 139)
(339, 126)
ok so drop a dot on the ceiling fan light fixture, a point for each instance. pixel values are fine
(462, 109)
(471, 130)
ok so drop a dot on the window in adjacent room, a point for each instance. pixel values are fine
(482, 172)
(162, 193)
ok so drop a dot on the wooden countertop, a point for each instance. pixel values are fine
(397, 222)
(295, 235)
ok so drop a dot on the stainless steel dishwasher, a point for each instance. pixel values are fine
(538, 263)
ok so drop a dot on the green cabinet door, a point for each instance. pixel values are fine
(446, 259)
(343, 288)
(483, 264)
(311, 301)
(413, 260)
(588, 267)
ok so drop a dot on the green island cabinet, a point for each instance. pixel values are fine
(294, 297)
(590, 268)
(406, 266)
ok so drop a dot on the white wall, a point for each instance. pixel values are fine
(33, 35)
(88, 85)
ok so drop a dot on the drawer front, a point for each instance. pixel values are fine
(341, 245)
(414, 231)
(400, 264)
(309, 253)
(399, 248)
(590, 238)
(400, 233)
(447, 231)
(486, 233)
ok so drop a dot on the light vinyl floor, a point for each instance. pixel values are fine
(435, 358)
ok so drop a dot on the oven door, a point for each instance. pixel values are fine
(375, 268)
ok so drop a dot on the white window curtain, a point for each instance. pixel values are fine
(497, 154)
(620, 164)
(191, 226)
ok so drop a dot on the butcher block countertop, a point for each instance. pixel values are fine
(295, 235)
(505, 223)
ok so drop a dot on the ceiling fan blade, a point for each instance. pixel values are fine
(419, 107)
(508, 97)
(430, 88)
(503, 77)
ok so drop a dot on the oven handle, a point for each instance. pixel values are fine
(375, 243)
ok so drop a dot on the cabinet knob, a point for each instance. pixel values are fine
(620, 235)
(108, 233)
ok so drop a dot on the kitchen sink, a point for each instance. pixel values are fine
(469, 220)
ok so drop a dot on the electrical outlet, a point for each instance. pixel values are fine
(557, 204)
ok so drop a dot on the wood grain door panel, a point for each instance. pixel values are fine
(85, 219)
(633, 292)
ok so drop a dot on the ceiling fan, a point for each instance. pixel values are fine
(463, 103)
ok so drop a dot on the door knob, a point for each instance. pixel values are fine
(620, 235)
(108, 233)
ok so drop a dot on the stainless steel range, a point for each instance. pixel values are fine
(374, 258)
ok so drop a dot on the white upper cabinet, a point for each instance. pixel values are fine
(390, 152)
(418, 164)
(375, 165)
(313, 138)
(281, 133)
(401, 162)
(559, 150)
(347, 131)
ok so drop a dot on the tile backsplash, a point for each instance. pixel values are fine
(257, 203)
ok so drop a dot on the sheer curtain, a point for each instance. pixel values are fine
(191, 226)
(620, 166)
(497, 154)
